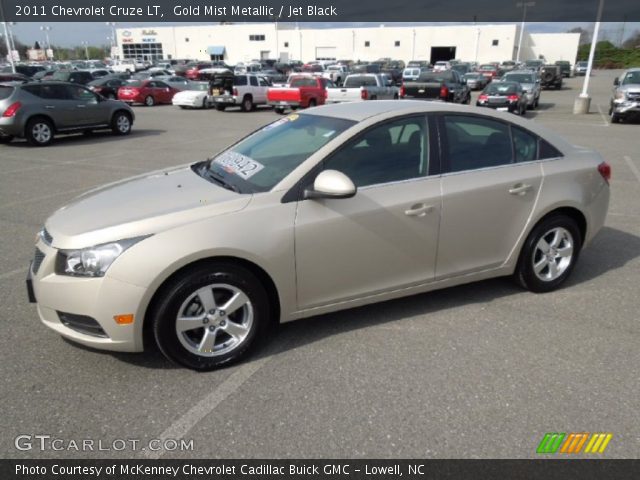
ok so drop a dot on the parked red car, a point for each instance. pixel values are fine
(489, 70)
(302, 92)
(193, 73)
(148, 92)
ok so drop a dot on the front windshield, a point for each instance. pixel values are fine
(200, 86)
(261, 160)
(520, 77)
(631, 78)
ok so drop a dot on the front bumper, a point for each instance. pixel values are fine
(99, 299)
(626, 107)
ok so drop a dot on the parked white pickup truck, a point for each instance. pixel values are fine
(131, 66)
(336, 73)
(248, 90)
(366, 86)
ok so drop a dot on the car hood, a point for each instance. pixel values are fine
(139, 206)
(632, 87)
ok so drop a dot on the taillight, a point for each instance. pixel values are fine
(11, 111)
(444, 91)
(483, 97)
(364, 94)
(402, 91)
(605, 170)
(512, 98)
(235, 92)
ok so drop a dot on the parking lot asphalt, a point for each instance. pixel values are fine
(477, 371)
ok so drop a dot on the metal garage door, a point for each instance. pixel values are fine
(326, 53)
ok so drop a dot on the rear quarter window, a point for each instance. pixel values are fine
(5, 92)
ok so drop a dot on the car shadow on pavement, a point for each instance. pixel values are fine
(98, 137)
(611, 249)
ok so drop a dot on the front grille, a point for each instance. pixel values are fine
(82, 324)
(37, 261)
(634, 97)
(46, 236)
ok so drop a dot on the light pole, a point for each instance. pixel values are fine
(413, 48)
(353, 44)
(524, 6)
(583, 102)
(46, 29)
(7, 41)
(477, 43)
(112, 26)
(86, 49)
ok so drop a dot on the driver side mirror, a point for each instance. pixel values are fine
(331, 184)
(616, 81)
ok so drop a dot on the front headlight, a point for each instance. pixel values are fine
(92, 261)
(620, 95)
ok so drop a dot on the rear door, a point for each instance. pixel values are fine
(490, 184)
(56, 103)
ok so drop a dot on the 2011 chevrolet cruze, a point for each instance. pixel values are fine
(324, 210)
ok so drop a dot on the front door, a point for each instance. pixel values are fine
(385, 237)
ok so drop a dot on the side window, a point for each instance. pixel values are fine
(525, 145)
(152, 85)
(546, 150)
(161, 85)
(81, 94)
(33, 90)
(54, 92)
(240, 81)
(254, 81)
(474, 142)
(391, 152)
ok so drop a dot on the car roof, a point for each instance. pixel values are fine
(361, 111)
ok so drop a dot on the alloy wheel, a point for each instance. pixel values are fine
(553, 254)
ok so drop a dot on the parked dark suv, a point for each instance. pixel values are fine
(80, 77)
(38, 111)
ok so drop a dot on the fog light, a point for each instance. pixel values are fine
(125, 319)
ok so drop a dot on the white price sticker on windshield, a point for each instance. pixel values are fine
(241, 165)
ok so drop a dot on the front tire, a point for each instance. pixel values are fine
(39, 132)
(149, 101)
(549, 254)
(211, 316)
(121, 123)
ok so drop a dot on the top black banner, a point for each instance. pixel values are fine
(158, 11)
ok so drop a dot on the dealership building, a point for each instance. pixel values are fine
(234, 43)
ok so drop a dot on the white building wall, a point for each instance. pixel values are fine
(551, 46)
(482, 43)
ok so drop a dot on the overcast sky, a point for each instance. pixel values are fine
(68, 34)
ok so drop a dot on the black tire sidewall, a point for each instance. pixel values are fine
(114, 123)
(166, 311)
(524, 271)
(149, 104)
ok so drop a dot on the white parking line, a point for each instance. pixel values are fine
(603, 116)
(632, 166)
(204, 407)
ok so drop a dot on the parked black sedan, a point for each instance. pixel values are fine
(106, 86)
(506, 96)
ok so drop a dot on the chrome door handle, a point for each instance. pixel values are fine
(50, 107)
(418, 210)
(520, 189)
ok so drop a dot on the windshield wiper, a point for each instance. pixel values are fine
(220, 181)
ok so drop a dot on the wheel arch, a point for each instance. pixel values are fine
(39, 115)
(265, 279)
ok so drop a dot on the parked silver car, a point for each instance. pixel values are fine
(37, 111)
(625, 102)
(530, 83)
(331, 208)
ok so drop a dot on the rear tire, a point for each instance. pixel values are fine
(549, 254)
(39, 132)
(279, 110)
(227, 310)
(247, 104)
(4, 139)
(220, 108)
(312, 103)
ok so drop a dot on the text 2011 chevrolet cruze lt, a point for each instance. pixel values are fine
(324, 210)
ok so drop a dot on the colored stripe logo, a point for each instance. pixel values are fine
(573, 443)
